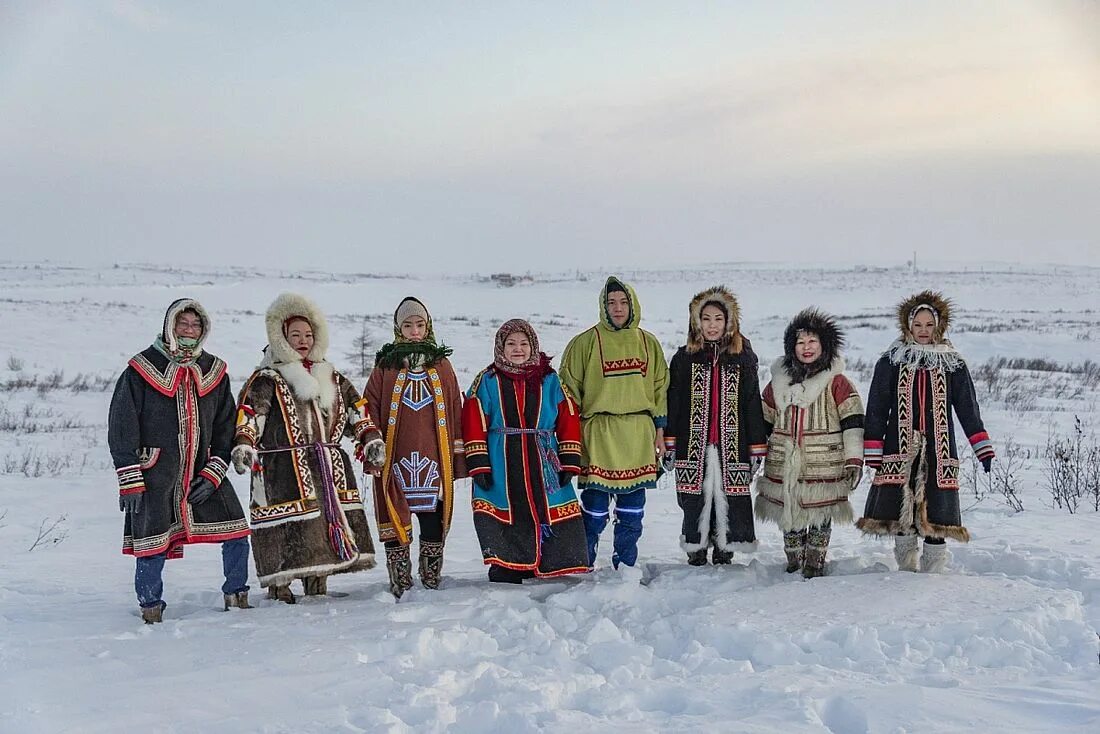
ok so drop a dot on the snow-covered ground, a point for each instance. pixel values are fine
(1006, 641)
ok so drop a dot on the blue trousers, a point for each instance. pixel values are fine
(148, 577)
(629, 510)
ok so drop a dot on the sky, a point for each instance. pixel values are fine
(492, 136)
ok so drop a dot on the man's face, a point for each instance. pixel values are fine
(188, 325)
(618, 308)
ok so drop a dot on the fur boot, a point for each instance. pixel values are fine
(817, 545)
(315, 585)
(794, 545)
(906, 551)
(721, 557)
(934, 558)
(431, 564)
(281, 593)
(237, 601)
(153, 615)
(399, 566)
(698, 557)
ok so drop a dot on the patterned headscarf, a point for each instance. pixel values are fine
(403, 353)
(537, 365)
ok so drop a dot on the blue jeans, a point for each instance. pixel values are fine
(629, 511)
(148, 577)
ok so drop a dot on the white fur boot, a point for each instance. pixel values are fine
(934, 558)
(906, 551)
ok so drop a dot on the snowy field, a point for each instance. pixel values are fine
(1006, 641)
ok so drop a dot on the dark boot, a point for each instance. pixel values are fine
(721, 557)
(502, 575)
(237, 601)
(315, 585)
(431, 564)
(281, 593)
(153, 614)
(794, 545)
(399, 566)
(698, 558)
(817, 545)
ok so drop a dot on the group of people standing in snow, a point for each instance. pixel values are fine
(615, 417)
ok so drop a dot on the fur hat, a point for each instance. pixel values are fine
(168, 328)
(725, 300)
(283, 309)
(933, 301)
(828, 333)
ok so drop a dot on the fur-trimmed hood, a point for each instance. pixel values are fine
(315, 381)
(168, 326)
(288, 305)
(828, 333)
(941, 308)
(732, 341)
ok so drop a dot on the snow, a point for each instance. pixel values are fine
(1005, 641)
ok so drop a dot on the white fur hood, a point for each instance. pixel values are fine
(316, 383)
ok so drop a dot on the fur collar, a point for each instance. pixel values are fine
(925, 356)
(317, 383)
(804, 393)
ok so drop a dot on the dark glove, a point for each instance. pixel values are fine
(987, 463)
(484, 480)
(130, 502)
(564, 478)
(201, 490)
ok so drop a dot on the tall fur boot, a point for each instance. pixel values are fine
(794, 546)
(399, 566)
(817, 545)
(281, 592)
(431, 564)
(315, 585)
(906, 551)
(934, 558)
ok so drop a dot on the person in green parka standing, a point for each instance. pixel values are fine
(617, 373)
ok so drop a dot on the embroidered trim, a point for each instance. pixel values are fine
(130, 479)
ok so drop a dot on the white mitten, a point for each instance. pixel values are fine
(244, 456)
(375, 452)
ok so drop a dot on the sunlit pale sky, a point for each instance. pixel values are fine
(549, 135)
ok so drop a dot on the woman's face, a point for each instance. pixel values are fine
(300, 335)
(414, 328)
(188, 325)
(517, 348)
(923, 327)
(713, 322)
(807, 347)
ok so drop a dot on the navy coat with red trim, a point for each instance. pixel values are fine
(168, 424)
